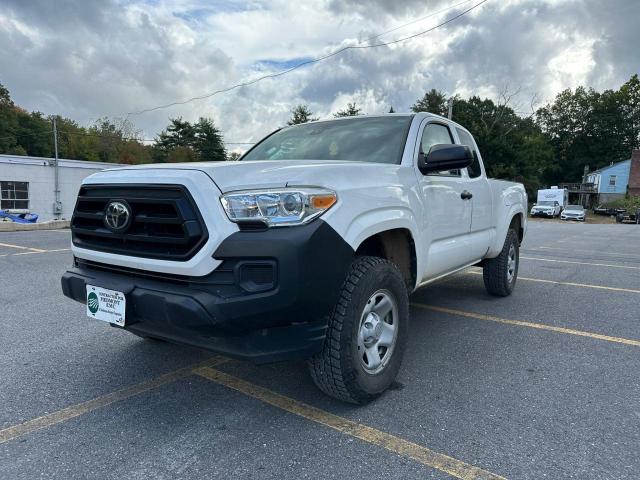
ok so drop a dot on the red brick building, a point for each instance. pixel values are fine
(634, 174)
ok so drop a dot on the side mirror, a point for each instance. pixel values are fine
(444, 157)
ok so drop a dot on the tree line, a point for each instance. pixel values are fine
(546, 146)
(552, 144)
(106, 140)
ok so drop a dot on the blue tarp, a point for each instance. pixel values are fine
(20, 217)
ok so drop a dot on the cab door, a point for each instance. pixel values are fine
(447, 209)
(482, 230)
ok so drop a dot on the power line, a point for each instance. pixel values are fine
(307, 62)
(420, 19)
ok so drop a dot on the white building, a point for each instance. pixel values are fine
(27, 184)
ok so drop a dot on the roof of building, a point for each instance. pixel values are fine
(607, 167)
(62, 162)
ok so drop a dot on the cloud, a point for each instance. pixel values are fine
(89, 59)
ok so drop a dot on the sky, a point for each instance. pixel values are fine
(86, 59)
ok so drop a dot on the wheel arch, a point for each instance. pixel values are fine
(396, 245)
(517, 224)
(513, 218)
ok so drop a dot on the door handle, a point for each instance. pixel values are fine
(466, 195)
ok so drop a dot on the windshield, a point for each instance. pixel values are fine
(574, 207)
(370, 139)
(545, 204)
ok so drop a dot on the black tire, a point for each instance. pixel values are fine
(498, 280)
(338, 369)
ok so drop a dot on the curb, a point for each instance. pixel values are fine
(23, 227)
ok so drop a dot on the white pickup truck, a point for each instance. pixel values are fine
(308, 247)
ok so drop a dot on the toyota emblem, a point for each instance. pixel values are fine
(117, 216)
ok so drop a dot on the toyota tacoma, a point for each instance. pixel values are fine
(308, 247)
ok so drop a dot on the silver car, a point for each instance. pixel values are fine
(573, 212)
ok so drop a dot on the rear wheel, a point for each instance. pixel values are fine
(367, 333)
(500, 273)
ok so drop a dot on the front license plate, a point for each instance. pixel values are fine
(106, 305)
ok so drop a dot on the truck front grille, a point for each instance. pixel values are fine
(165, 222)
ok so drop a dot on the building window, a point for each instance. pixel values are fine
(14, 195)
(612, 181)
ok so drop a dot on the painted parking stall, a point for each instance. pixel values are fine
(542, 385)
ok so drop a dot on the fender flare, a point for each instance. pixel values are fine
(501, 230)
(379, 220)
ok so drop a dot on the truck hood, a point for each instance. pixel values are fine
(232, 176)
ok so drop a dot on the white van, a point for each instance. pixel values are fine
(554, 194)
(551, 202)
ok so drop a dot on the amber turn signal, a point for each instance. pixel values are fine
(322, 202)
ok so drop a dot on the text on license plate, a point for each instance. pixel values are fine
(106, 305)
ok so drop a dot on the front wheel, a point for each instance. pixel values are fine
(500, 273)
(366, 335)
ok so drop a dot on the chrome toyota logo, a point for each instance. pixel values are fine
(117, 216)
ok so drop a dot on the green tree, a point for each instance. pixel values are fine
(350, 111)
(301, 114)
(186, 142)
(391, 110)
(512, 147)
(434, 101)
(587, 127)
(630, 104)
(34, 133)
(208, 141)
(179, 133)
(30, 133)
(5, 97)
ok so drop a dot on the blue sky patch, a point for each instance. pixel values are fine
(269, 64)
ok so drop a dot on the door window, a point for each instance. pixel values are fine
(437, 134)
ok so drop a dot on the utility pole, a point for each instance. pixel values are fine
(450, 102)
(57, 205)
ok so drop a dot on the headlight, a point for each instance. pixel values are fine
(278, 208)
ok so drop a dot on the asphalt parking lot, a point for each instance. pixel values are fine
(543, 384)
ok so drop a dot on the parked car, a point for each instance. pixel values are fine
(307, 247)
(546, 209)
(630, 217)
(573, 212)
(602, 210)
(553, 194)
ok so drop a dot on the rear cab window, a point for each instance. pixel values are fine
(474, 170)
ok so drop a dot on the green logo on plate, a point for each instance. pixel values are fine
(92, 302)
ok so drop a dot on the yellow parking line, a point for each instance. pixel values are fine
(20, 247)
(73, 411)
(520, 323)
(580, 263)
(589, 251)
(397, 445)
(42, 251)
(570, 284)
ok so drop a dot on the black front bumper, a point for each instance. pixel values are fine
(268, 301)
